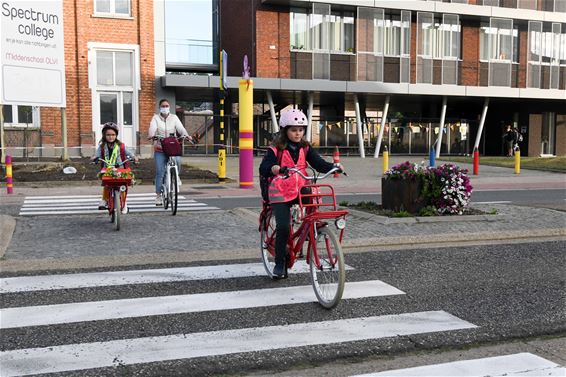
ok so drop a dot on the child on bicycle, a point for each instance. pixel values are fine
(112, 153)
(291, 150)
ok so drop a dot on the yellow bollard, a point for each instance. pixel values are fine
(385, 160)
(517, 161)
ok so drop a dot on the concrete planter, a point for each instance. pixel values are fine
(402, 195)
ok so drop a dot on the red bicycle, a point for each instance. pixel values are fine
(117, 181)
(311, 221)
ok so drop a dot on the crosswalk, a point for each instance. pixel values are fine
(88, 204)
(91, 320)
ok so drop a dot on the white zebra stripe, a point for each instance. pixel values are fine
(520, 364)
(129, 277)
(163, 305)
(185, 346)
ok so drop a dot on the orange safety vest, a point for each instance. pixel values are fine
(285, 190)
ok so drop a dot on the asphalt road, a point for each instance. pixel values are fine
(544, 198)
(501, 292)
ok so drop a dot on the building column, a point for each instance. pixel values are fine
(441, 127)
(382, 127)
(482, 122)
(274, 125)
(360, 128)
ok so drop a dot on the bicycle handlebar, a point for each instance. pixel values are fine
(285, 171)
(98, 159)
(159, 138)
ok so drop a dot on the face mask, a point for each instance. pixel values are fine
(164, 110)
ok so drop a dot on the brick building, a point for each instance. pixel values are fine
(423, 66)
(428, 62)
(110, 76)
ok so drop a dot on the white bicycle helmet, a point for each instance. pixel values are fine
(292, 118)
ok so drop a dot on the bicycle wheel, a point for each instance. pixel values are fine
(110, 205)
(117, 211)
(329, 277)
(267, 241)
(173, 191)
(165, 190)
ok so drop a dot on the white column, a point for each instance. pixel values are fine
(360, 129)
(309, 117)
(482, 121)
(441, 127)
(274, 125)
(382, 127)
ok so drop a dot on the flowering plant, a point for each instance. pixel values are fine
(446, 187)
(406, 170)
(116, 173)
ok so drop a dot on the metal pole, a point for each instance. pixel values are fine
(246, 110)
(482, 122)
(309, 116)
(360, 130)
(274, 125)
(222, 149)
(441, 127)
(382, 128)
(2, 141)
(65, 156)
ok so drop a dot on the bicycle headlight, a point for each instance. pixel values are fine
(340, 223)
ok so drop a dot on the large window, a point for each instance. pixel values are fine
(112, 7)
(497, 42)
(191, 32)
(440, 39)
(547, 47)
(333, 32)
(21, 116)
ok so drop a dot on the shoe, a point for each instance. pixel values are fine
(125, 210)
(102, 205)
(158, 200)
(279, 272)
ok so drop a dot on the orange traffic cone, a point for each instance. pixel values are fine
(336, 160)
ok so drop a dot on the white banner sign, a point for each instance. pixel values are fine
(32, 53)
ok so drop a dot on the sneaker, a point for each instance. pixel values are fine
(102, 205)
(125, 209)
(159, 200)
(279, 272)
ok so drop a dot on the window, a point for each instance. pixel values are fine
(117, 7)
(504, 43)
(316, 31)
(547, 46)
(191, 32)
(392, 35)
(300, 30)
(20, 116)
(114, 68)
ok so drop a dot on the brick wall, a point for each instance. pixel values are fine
(273, 57)
(470, 53)
(80, 28)
(560, 135)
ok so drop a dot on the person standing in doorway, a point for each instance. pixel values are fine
(161, 126)
(509, 140)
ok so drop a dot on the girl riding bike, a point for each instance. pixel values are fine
(112, 153)
(289, 150)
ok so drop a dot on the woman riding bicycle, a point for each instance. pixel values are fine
(291, 150)
(161, 126)
(112, 153)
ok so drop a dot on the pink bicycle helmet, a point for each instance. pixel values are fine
(292, 118)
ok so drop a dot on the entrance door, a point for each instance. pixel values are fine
(117, 107)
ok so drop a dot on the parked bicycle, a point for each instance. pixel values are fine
(117, 181)
(312, 220)
(171, 179)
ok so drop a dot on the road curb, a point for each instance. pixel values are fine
(350, 246)
(7, 226)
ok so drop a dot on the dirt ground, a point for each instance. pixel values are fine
(52, 171)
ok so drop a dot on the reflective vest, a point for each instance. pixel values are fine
(285, 190)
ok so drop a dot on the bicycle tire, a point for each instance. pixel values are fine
(165, 193)
(267, 241)
(117, 210)
(110, 205)
(174, 191)
(328, 280)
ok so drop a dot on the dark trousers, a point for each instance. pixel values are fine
(282, 213)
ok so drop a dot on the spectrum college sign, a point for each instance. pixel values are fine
(32, 53)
